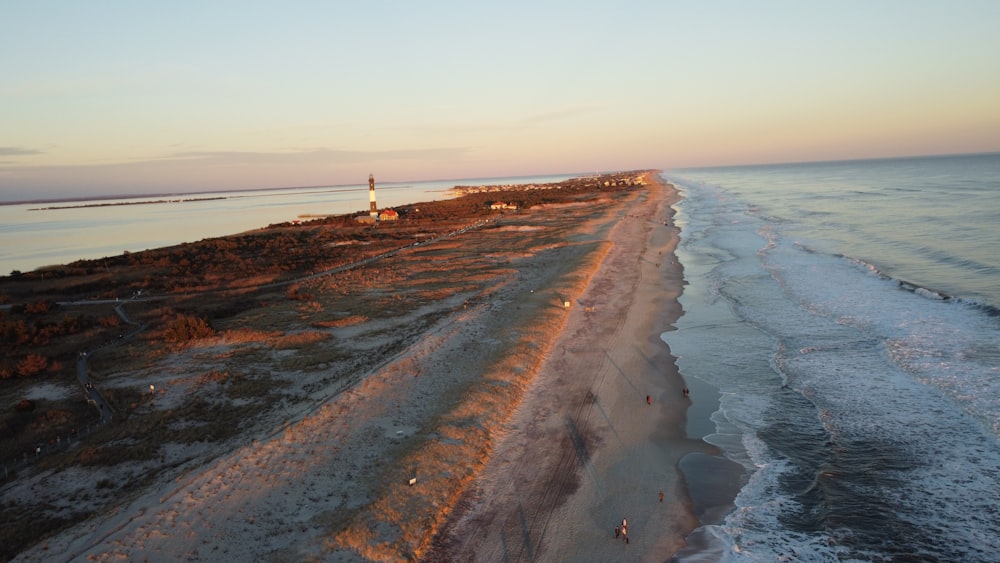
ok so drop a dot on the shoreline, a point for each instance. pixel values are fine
(583, 453)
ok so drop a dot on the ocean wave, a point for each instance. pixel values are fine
(860, 405)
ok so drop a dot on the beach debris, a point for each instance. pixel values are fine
(413, 481)
(566, 304)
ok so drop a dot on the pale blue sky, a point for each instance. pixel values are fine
(130, 97)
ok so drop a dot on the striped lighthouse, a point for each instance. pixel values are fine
(371, 196)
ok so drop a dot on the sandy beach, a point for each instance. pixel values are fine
(602, 429)
(522, 424)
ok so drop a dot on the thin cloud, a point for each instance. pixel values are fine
(17, 151)
(204, 169)
(207, 158)
(311, 155)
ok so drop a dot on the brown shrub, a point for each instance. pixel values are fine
(346, 321)
(185, 328)
(216, 376)
(246, 335)
(32, 365)
(110, 321)
(295, 293)
(38, 307)
(300, 339)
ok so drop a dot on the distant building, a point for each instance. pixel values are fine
(502, 205)
(388, 215)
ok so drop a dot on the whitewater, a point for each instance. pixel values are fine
(847, 313)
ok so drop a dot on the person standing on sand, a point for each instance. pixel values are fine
(618, 531)
(661, 495)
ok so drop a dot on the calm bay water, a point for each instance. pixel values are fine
(848, 314)
(31, 238)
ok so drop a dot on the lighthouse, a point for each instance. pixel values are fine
(371, 196)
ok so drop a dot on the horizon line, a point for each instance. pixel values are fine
(364, 184)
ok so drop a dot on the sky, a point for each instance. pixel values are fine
(125, 97)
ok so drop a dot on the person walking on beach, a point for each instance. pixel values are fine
(661, 495)
(618, 531)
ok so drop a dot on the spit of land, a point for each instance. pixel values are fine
(465, 383)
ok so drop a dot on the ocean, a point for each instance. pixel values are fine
(34, 235)
(849, 315)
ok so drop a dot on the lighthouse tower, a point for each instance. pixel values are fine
(371, 196)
